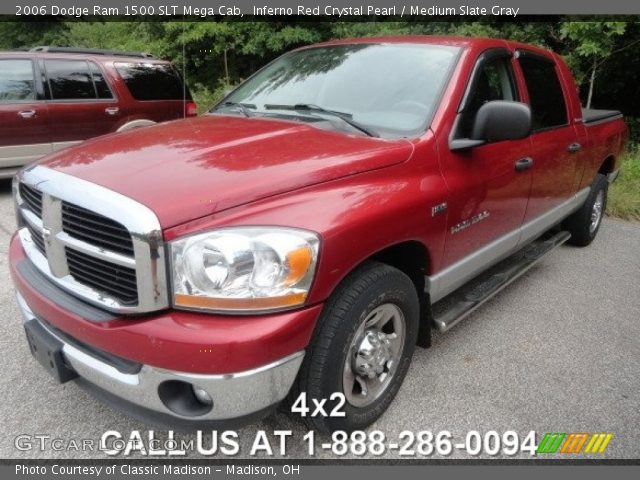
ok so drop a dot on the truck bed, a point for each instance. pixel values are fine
(592, 115)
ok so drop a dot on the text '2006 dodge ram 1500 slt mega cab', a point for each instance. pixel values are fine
(311, 230)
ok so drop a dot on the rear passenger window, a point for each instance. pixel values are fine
(102, 89)
(69, 79)
(493, 81)
(548, 108)
(76, 80)
(152, 81)
(16, 80)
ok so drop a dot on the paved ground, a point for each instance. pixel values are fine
(557, 351)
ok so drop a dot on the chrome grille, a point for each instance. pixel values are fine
(96, 229)
(69, 233)
(37, 238)
(32, 199)
(116, 280)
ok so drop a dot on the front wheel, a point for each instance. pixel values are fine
(585, 223)
(362, 346)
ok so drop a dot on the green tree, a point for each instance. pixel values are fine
(29, 34)
(593, 42)
(129, 36)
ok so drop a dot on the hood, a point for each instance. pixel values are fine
(191, 168)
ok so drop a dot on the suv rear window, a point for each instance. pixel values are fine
(152, 81)
(16, 80)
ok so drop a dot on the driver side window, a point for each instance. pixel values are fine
(494, 81)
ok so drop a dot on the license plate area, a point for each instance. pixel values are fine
(47, 349)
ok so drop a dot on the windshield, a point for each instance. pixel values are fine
(392, 89)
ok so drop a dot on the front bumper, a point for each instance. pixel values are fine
(234, 395)
(245, 364)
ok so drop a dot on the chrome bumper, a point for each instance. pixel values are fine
(234, 395)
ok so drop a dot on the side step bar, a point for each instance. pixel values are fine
(459, 304)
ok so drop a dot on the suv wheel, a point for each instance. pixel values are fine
(585, 223)
(362, 346)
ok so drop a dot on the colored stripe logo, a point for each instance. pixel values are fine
(572, 443)
(598, 442)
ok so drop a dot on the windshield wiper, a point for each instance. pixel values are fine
(242, 107)
(311, 108)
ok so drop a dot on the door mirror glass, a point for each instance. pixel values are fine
(502, 120)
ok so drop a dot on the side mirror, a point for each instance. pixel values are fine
(502, 120)
(496, 121)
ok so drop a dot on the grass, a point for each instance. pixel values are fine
(624, 193)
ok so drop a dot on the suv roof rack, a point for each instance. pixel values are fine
(90, 51)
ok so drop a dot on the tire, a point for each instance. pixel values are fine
(375, 290)
(585, 223)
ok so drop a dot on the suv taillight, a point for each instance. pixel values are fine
(191, 109)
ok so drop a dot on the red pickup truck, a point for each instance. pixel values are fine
(310, 231)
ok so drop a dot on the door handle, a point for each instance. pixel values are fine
(574, 147)
(111, 110)
(27, 113)
(524, 164)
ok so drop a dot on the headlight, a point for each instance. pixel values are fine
(244, 269)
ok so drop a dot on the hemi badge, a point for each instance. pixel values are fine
(438, 209)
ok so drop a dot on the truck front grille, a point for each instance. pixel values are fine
(68, 234)
(32, 199)
(37, 238)
(96, 229)
(115, 280)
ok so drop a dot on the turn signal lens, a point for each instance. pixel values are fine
(240, 304)
(298, 262)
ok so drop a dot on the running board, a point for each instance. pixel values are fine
(459, 304)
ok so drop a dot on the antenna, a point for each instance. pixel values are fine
(184, 74)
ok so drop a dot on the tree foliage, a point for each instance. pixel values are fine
(593, 42)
